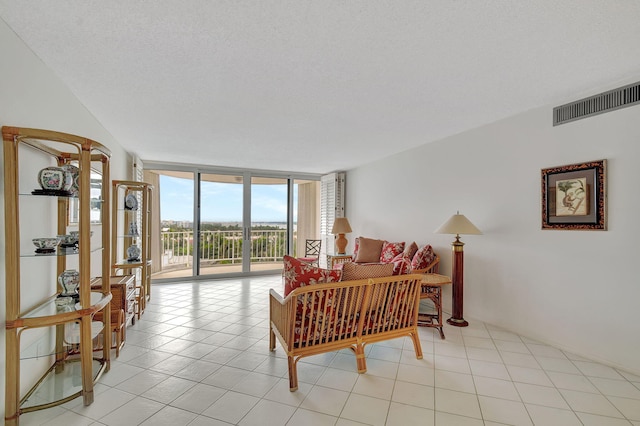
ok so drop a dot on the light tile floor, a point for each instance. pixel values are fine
(199, 356)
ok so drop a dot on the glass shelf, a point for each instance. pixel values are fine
(131, 263)
(48, 314)
(46, 347)
(29, 194)
(62, 382)
(58, 252)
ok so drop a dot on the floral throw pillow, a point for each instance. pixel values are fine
(297, 273)
(423, 257)
(390, 251)
(401, 264)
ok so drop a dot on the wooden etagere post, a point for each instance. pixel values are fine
(65, 337)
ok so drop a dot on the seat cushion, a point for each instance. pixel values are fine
(354, 271)
(297, 273)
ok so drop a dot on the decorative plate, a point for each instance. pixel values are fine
(131, 202)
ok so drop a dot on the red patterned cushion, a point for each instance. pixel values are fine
(356, 247)
(297, 273)
(423, 257)
(390, 251)
(401, 264)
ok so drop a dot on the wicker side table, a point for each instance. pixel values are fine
(334, 259)
(432, 290)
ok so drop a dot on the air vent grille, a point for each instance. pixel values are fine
(597, 104)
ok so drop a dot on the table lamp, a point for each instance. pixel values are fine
(340, 227)
(457, 224)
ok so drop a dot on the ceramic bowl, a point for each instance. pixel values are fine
(65, 304)
(75, 235)
(68, 239)
(46, 243)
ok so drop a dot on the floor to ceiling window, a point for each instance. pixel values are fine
(213, 223)
(269, 230)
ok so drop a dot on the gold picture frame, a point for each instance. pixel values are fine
(574, 196)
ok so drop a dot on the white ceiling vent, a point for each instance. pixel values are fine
(597, 104)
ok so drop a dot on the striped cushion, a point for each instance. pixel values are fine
(423, 257)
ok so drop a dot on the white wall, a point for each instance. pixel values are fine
(578, 290)
(32, 96)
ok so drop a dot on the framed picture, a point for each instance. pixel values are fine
(573, 196)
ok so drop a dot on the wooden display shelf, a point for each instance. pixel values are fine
(66, 335)
(122, 237)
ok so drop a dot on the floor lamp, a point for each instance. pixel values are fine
(458, 224)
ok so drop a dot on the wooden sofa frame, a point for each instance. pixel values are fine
(321, 318)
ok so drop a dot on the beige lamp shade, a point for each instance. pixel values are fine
(341, 226)
(458, 224)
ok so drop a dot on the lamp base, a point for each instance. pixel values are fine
(341, 244)
(457, 322)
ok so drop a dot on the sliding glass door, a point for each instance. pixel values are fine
(173, 228)
(219, 224)
(269, 230)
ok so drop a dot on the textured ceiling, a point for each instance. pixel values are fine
(319, 86)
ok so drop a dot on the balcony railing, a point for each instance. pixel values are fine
(221, 247)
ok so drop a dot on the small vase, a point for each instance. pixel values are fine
(71, 179)
(133, 229)
(52, 178)
(69, 280)
(133, 253)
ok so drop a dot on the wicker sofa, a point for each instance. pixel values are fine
(325, 317)
(406, 258)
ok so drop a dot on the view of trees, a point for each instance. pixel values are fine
(222, 243)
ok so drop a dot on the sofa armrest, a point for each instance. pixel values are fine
(281, 312)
